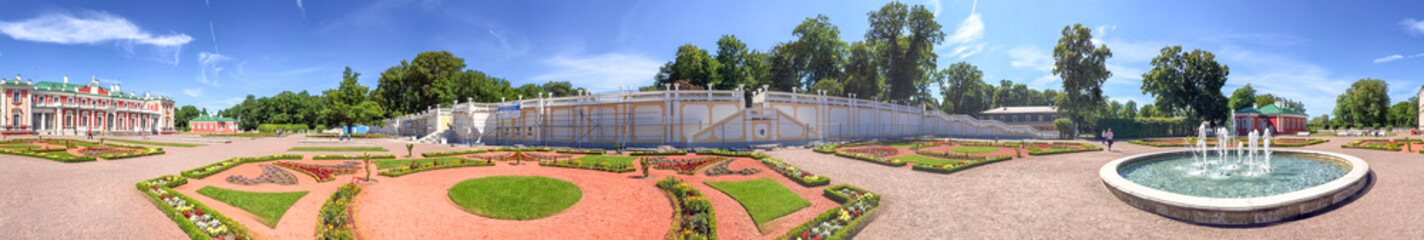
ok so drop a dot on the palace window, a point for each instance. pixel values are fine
(17, 96)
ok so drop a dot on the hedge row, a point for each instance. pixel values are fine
(601, 166)
(726, 153)
(648, 153)
(288, 128)
(868, 158)
(453, 153)
(951, 168)
(352, 157)
(961, 156)
(795, 174)
(153, 193)
(335, 214)
(866, 204)
(215, 168)
(46, 155)
(832, 193)
(1311, 141)
(1146, 127)
(353, 135)
(587, 152)
(987, 144)
(433, 165)
(1033, 148)
(527, 149)
(146, 151)
(693, 217)
(1392, 146)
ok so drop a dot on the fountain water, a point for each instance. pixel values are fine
(1242, 161)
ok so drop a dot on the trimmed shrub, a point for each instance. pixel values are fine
(647, 153)
(352, 157)
(453, 153)
(1145, 127)
(289, 128)
(693, 216)
(335, 214)
(215, 168)
(433, 165)
(881, 161)
(1064, 127)
(795, 174)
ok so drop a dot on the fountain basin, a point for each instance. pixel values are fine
(1249, 210)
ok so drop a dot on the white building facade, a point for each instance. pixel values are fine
(61, 108)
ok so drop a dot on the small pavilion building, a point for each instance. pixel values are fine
(1279, 120)
(212, 124)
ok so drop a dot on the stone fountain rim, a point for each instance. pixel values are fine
(1110, 173)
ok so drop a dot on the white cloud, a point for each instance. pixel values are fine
(1389, 58)
(1414, 27)
(936, 5)
(601, 73)
(1285, 76)
(94, 27)
(1037, 60)
(299, 7)
(193, 92)
(88, 28)
(207, 62)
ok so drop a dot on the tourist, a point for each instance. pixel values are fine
(89, 133)
(1109, 136)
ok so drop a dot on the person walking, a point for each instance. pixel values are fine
(1109, 137)
(89, 133)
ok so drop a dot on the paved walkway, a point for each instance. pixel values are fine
(1062, 197)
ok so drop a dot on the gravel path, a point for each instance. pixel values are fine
(1061, 197)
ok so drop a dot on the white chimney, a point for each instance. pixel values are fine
(66, 79)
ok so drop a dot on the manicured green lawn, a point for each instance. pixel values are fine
(763, 198)
(165, 144)
(515, 197)
(384, 164)
(20, 146)
(926, 160)
(612, 160)
(267, 206)
(974, 149)
(337, 149)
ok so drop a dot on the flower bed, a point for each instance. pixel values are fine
(197, 220)
(1297, 142)
(336, 219)
(651, 153)
(987, 144)
(585, 152)
(726, 153)
(723, 169)
(1381, 144)
(693, 217)
(600, 166)
(795, 174)
(874, 151)
(527, 149)
(880, 160)
(1039, 148)
(688, 166)
(962, 156)
(955, 167)
(453, 153)
(270, 174)
(166, 181)
(323, 173)
(353, 135)
(51, 155)
(352, 157)
(433, 165)
(210, 169)
(550, 157)
(841, 222)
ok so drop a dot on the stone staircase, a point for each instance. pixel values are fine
(435, 138)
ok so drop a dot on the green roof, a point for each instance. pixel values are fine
(1270, 109)
(69, 88)
(210, 118)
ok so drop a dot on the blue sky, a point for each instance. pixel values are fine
(213, 53)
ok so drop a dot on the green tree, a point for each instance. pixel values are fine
(819, 50)
(692, 64)
(862, 72)
(1364, 104)
(736, 64)
(783, 74)
(351, 104)
(1399, 114)
(1242, 98)
(906, 38)
(831, 87)
(1148, 111)
(432, 78)
(183, 115)
(964, 90)
(1189, 81)
(1265, 100)
(1082, 66)
(1129, 110)
(561, 88)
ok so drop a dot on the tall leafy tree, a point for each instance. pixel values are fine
(1129, 110)
(1242, 98)
(183, 115)
(783, 73)
(964, 90)
(831, 87)
(432, 78)
(736, 64)
(1364, 104)
(561, 88)
(1188, 81)
(351, 104)
(1265, 100)
(862, 73)
(906, 37)
(692, 64)
(1082, 66)
(819, 49)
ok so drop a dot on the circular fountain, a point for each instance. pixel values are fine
(1240, 185)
